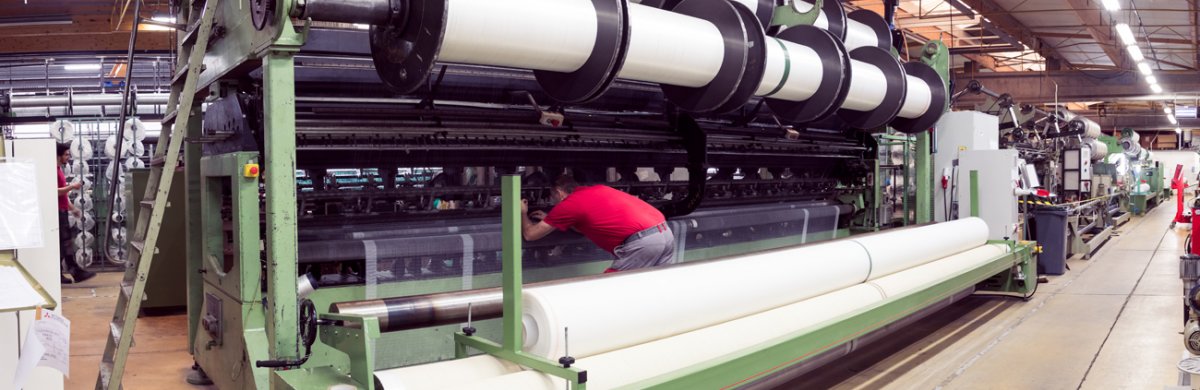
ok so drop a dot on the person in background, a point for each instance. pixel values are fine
(632, 230)
(64, 229)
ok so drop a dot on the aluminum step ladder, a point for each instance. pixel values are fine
(192, 45)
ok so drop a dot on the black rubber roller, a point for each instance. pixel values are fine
(835, 76)
(755, 64)
(937, 99)
(896, 89)
(404, 53)
(595, 76)
(736, 28)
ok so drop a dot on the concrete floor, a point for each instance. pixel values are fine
(1111, 322)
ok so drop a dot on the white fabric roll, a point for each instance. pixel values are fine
(924, 275)
(626, 367)
(440, 375)
(919, 97)
(868, 87)
(859, 35)
(893, 252)
(552, 35)
(803, 78)
(659, 304)
(671, 48)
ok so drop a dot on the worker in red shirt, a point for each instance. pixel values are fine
(64, 229)
(635, 232)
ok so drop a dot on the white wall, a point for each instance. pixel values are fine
(42, 263)
(1170, 158)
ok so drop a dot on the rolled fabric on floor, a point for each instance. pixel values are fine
(444, 374)
(893, 252)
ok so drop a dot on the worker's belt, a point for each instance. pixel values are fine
(656, 229)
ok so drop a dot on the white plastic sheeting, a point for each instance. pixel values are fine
(20, 221)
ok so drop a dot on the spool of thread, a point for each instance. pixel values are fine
(1099, 149)
(552, 35)
(1088, 127)
(669, 48)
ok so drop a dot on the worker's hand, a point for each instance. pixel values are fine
(538, 215)
(524, 206)
(76, 185)
(75, 210)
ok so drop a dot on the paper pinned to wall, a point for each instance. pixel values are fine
(17, 291)
(20, 219)
(48, 344)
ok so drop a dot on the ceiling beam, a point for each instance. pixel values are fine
(1009, 24)
(90, 41)
(1080, 85)
(1100, 31)
(1167, 41)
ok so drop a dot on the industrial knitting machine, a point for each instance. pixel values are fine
(387, 155)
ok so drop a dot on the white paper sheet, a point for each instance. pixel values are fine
(48, 344)
(20, 221)
(16, 290)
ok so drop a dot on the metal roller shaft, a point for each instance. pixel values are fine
(348, 11)
(84, 100)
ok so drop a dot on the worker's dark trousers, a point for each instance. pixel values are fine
(649, 251)
(64, 245)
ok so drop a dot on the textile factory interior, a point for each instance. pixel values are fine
(599, 194)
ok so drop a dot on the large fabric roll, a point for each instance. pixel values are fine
(629, 366)
(654, 305)
(893, 252)
(612, 313)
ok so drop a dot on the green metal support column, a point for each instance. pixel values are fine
(510, 235)
(194, 225)
(937, 56)
(279, 107)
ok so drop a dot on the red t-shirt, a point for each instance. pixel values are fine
(63, 203)
(604, 215)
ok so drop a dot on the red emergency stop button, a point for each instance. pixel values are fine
(250, 170)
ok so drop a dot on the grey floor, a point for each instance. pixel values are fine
(1111, 322)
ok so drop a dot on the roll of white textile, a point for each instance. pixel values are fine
(892, 252)
(445, 374)
(659, 304)
(629, 366)
(677, 300)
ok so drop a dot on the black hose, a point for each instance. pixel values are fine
(308, 335)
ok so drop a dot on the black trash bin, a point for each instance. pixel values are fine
(1051, 232)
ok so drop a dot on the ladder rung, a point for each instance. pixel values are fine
(158, 161)
(147, 203)
(140, 246)
(114, 329)
(180, 74)
(170, 117)
(190, 37)
(127, 289)
(106, 368)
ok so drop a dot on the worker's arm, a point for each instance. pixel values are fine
(69, 187)
(533, 231)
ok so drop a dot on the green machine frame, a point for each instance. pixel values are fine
(243, 305)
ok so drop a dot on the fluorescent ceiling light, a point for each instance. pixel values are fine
(1144, 68)
(164, 19)
(1178, 130)
(1172, 119)
(1135, 52)
(82, 67)
(361, 26)
(1126, 34)
(1166, 110)
(1156, 88)
(1154, 80)
(1111, 5)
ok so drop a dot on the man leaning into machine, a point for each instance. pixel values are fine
(632, 230)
